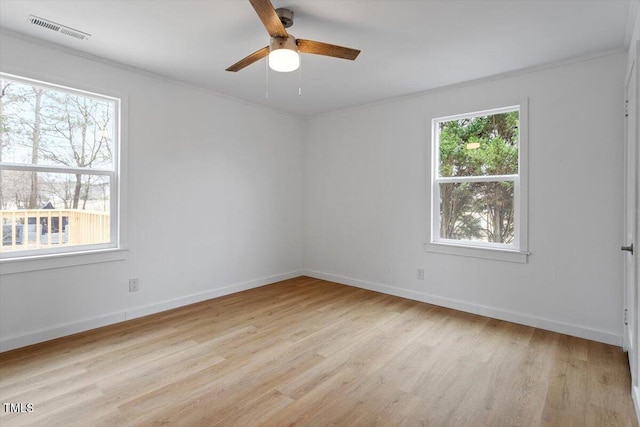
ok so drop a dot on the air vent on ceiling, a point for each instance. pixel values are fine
(53, 26)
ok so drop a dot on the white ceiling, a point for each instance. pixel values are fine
(407, 46)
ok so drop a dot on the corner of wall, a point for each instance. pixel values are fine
(633, 20)
(632, 33)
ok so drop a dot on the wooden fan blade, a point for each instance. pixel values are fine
(269, 18)
(258, 54)
(319, 48)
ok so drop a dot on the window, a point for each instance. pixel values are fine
(477, 187)
(59, 151)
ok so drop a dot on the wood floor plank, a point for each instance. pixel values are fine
(310, 352)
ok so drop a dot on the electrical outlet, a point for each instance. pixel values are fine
(134, 285)
(420, 274)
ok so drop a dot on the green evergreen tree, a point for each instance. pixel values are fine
(478, 146)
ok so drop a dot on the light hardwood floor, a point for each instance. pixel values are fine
(311, 352)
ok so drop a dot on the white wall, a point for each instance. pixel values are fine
(366, 216)
(239, 170)
(214, 203)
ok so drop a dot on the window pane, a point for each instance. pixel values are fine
(477, 211)
(479, 146)
(48, 210)
(55, 128)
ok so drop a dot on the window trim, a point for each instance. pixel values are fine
(60, 260)
(116, 249)
(516, 252)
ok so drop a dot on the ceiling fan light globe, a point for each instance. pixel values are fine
(284, 60)
(283, 54)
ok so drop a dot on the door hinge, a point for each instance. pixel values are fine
(626, 108)
(626, 316)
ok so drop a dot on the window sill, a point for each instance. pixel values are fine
(47, 262)
(520, 257)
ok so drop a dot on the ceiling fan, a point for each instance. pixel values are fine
(284, 49)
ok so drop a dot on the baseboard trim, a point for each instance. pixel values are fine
(203, 296)
(58, 331)
(501, 314)
(635, 394)
(61, 330)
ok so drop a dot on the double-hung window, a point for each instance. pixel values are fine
(59, 158)
(478, 200)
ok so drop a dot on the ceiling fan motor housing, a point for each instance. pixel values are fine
(286, 16)
(283, 43)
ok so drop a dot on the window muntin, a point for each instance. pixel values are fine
(476, 179)
(58, 169)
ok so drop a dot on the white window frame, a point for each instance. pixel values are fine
(47, 258)
(514, 252)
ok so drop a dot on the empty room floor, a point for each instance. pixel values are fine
(312, 352)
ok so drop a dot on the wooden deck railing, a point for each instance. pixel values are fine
(45, 228)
